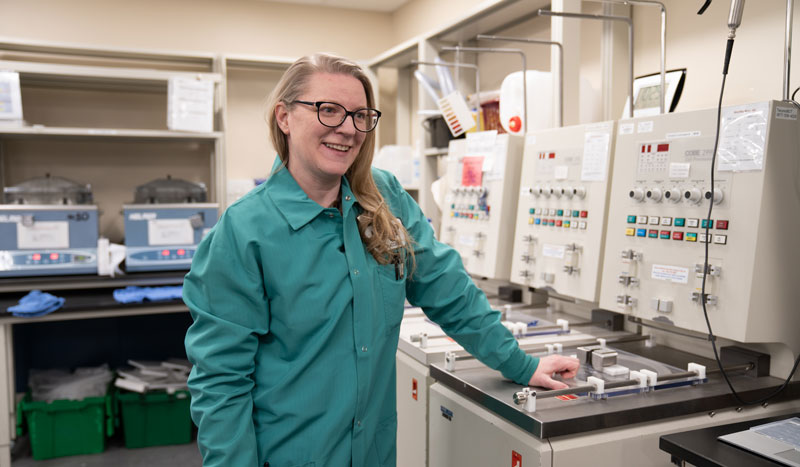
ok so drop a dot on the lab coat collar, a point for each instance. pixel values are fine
(292, 201)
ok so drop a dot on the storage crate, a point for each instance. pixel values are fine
(155, 418)
(66, 427)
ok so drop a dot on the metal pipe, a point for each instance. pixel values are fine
(560, 108)
(576, 343)
(456, 65)
(630, 42)
(459, 49)
(663, 41)
(787, 51)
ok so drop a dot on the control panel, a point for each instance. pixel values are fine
(481, 201)
(561, 213)
(658, 229)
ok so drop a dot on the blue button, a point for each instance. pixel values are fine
(537, 221)
(641, 232)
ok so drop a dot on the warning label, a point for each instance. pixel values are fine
(674, 274)
(516, 459)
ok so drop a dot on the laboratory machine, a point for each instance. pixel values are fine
(164, 225)
(562, 208)
(482, 184)
(663, 377)
(423, 343)
(48, 226)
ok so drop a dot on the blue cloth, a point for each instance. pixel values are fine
(36, 303)
(133, 294)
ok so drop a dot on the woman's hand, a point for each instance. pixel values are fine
(567, 367)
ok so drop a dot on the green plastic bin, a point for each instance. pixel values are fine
(155, 418)
(66, 427)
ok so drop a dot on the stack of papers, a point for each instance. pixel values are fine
(143, 376)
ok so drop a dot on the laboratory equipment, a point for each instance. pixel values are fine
(562, 209)
(165, 224)
(48, 226)
(482, 183)
(657, 229)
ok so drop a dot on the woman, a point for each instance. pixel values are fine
(297, 294)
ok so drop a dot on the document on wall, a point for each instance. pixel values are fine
(743, 137)
(10, 98)
(190, 105)
(595, 156)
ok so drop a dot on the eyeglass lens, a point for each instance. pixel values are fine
(333, 115)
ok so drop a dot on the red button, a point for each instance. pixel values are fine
(584, 213)
(37, 257)
(722, 225)
(558, 223)
(181, 252)
(54, 256)
(164, 252)
(677, 235)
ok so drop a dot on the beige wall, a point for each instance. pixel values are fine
(418, 17)
(224, 26)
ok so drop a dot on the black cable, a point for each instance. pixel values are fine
(712, 338)
(795, 92)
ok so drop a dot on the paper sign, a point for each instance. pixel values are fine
(553, 251)
(645, 127)
(679, 169)
(595, 156)
(561, 172)
(190, 105)
(47, 234)
(162, 232)
(674, 274)
(743, 137)
(472, 171)
(626, 128)
(10, 96)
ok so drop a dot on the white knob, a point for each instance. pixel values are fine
(693, 195)
(636, 194)
(555, 192)
(536, 191)
(718, 195)
(580, 192)
(654, 194)
(568, 191)
(673, 195)
(546, 191)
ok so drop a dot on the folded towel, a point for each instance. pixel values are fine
(133, 294)
(36, 303)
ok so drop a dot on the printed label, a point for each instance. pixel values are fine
(679, 169)
(446, 413)
(626, 129)
(683, 134)
(516, 459)
(553, 251)
(645, 127)
(530, 140)
(674, 274)
(786, 113)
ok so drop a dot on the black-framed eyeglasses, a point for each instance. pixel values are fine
(332, 115)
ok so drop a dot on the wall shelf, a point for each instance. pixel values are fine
(121, 134)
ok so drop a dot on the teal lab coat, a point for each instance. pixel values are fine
(296, 327)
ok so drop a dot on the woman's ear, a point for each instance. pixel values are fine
(282, 117)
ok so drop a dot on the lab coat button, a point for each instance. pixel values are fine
(363, 349)
(347, 198)
(355, 271)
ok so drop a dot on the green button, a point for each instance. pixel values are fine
(560, 212)
(472, 206)
(453, 206)
(632, 220)
(576, 213)
(532, 211)
(708, 223)
(679, 221)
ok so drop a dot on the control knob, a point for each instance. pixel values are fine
(693, 195)
(637, 194)
(673, 194)
(580, 192)
(654, 194)
(718, 195)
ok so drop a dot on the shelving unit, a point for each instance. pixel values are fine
(98, 116)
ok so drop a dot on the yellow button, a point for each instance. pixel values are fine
(530, 220)
(630, 232)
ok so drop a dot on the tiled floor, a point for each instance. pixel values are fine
(116, 455)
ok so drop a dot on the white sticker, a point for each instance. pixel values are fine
(683, 134)
(743, 137)
(674, 274)
(530, 140)
(786, 113)
(561, 172)
(645, 127)
(679, 169)
(553, 251)
(626, 129)
(466, 240)
(162, 232)
(47, 234)
(595, 156)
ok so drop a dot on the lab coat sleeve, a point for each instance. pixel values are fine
(225, 295)
(440, 285)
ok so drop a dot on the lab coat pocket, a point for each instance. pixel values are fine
(385, 442)
(393, 291)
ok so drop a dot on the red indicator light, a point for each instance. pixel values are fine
(164, 252)
(181, 252)
(37, 257)
(552, 155)
(663, 147)
(54, 256)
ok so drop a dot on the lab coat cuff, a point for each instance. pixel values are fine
(519, 367)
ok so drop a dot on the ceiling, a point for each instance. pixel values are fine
(385, 6)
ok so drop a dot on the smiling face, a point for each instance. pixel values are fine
(319, 155)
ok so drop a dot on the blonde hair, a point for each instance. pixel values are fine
(383, 234)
